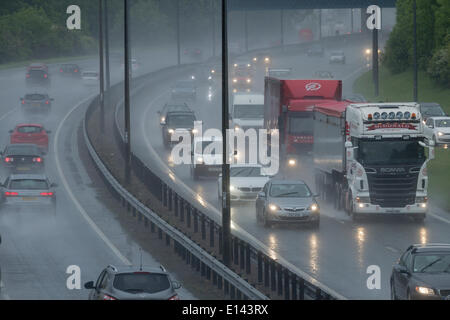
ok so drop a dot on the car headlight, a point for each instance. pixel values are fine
(273, 207)
(213, 71)
(234, 80)
(255, 59)
(232, 188)
(249, 65)
(314, 207)
(199, 159)
(440, 134)
(163, 119)
(236, 128)
(368, 51)
(209, 78)
(171, 131)
(425, 291)
(292, 162)
(266, 59)
(235, 65)
(249, 80)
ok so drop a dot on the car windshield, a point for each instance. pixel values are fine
(394, 152)
(432, 111)
(28, 184)
(34, 96)
(443, 123)
(19, 149)
(141, 282)
(301, 123)
(37, 73)
(249, 111)
(181, 121)
(245, 172)
(29, 129)
(184, 84)
(292, 190)
(432, 262)
(209, 147)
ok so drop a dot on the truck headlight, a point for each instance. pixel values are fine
(199, 159)
(292, 162)
(171, 131)
(249, 80)
(232, 188)
(368, 51)
(194, 131)
(236, 128)
(234, 80)
(425, 291)
(266, 59)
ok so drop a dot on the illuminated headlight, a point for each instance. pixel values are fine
(440, 134)
(234, 80)
(234, 90)
(200, 159)
(209, 78)
(292, 162)
(368, 51)
(361, 205)
(171, 131)
(235, 65)
(232, 188)
(194, 131)
(266, 59)
(249, 65)
(163, 119)
(249, 80)
(236, 128)
(273, 207)
(193, 77)
(255, 59)
(425, 291)
(314, 207)
(213, 71)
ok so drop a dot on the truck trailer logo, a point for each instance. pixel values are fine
(394, 125)
(313, 86)
(392, 170)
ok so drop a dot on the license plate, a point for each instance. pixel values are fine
(36, 104)
(393, 211)
(29, 198)
(23, 168)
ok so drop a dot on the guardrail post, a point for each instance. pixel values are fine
(211, 233)
(164, 186)
(236, 250)
(273, 285)
(238, 295)
(226, 287)
(214, 277)
(160, 234)
(219, 282)
(266, 271)
(242, 255)
(286, 284)
(248, 252)
(182, 208)
(301, 286)
(232, 292)
(167, 240)
(175, 247)
(220, 241)
(195, 214)
(188, 215)
(188, 256)
(197, 266)
(145, 222)
(294, 286)
(152, 227)
(318, 294)
(260, 267)
(203, 226)
(208, 273)
(170, 199)
(176, 203)
(203, 269)
(280, 279)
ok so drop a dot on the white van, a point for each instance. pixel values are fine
(247, 111)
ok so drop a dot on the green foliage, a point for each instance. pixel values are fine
(439, 66)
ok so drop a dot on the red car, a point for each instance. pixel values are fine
(30, 133)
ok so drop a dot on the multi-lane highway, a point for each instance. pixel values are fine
(36, 249)
(339, 253)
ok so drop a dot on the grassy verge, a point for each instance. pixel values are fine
(25, 63)
(400, 88)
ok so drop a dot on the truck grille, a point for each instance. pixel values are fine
(392, 191)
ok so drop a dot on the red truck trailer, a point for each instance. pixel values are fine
(289, 108)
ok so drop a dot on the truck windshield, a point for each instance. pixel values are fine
(181, 121)
(301, 123)
(394, 152)
(249, 111)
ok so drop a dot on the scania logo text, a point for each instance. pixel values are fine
(313, 86)
(392, 170)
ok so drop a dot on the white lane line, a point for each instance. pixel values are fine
(71, 195)
(7, 114)
(438, 217)
(391, 249)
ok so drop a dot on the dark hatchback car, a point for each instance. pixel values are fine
(422, 272)
(131, 283)
(36, 102)
(431, 109)
(22, 158)
(70, 70)
(177, 122)
(37, 74)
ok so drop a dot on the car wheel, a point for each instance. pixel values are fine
(267, 223)
(393, 294)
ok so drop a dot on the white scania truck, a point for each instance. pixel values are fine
(370, 158)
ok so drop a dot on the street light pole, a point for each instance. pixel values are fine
(226, 216)
(375, 61)
(178, 33)
(416, 89)
(213, 27)
(246, 29)
(107, 73)
(127, 95)
(281, 28)
(102, 86)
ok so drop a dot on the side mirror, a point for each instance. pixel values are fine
(52, 99)
(53, 185)
(48, 131)
(261, 194)
(220, 175)
(315, 195)
(89, 285)
(402, 269)
(348, 144)
(11, 131)
(176, 285)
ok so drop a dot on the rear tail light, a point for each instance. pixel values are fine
(45, 76)
(47, 102)
(60, 70)
(11, 194)
(175, 297)
(106, 297)
(8, 159)
(76, 70)
(23, 101)
(28, 75)
(38, 159)
(47, 194)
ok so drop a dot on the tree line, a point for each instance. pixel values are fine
(433, 39)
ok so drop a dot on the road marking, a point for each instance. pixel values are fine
(69, 191)
(438, 217)
(2, 293)
(391, 249)
(7, 114)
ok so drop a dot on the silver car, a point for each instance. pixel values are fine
(287, 201)
(133, 283)
(337, 57)
(32, 192)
